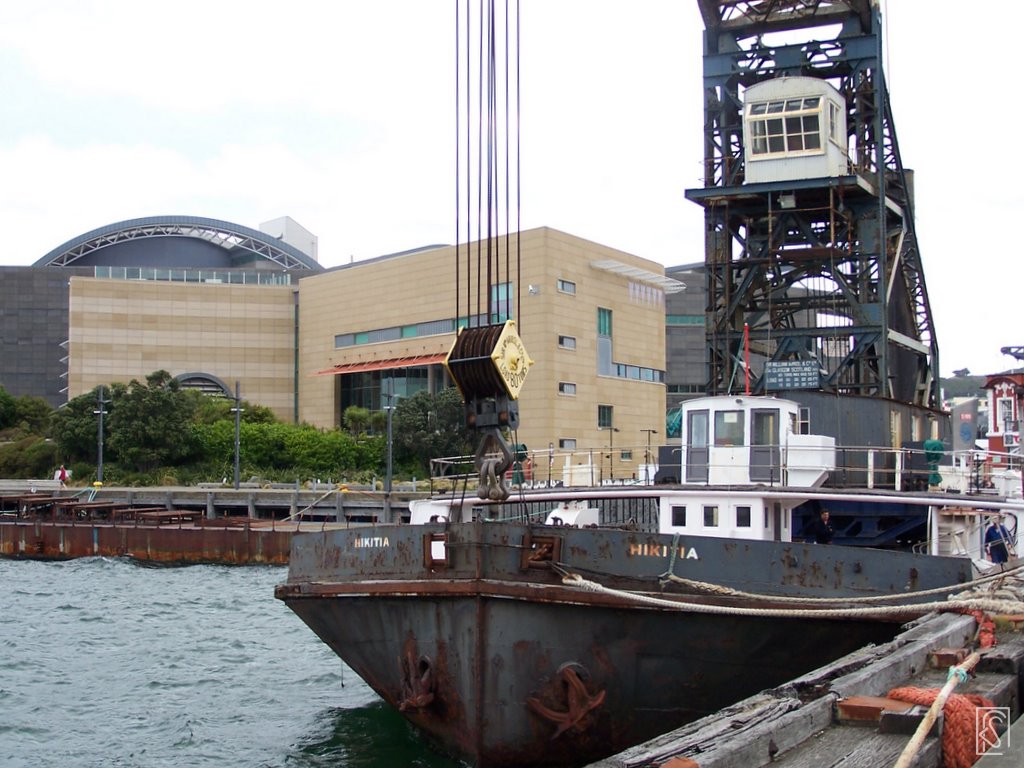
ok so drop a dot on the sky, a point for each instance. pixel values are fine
(340, 114)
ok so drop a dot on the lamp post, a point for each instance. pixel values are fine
(237, 410)
(647, 455)
(389, 409)
(611, 462)
(551, 460)
(101, 412)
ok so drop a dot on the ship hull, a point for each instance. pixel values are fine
(471, 633)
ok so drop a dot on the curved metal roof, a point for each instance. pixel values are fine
(229, 236)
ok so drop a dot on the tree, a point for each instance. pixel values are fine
(355, 419)
(7, 409)
(75, 426)
(430, 426)
(150, 425)
(34, 413)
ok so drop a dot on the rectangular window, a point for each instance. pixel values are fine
(604, 416)
(567, 342)
(678, 517)
(626, 455)
(833, 122)
(711, 516)
(803, 424)
(567, 443)
(566, 388)
(742, 517)
(605, 366)
(785, 126)
(567, 286)
(729, 428)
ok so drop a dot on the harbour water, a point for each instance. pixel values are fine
(111, 663)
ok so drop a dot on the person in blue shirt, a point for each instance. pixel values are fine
(997, 541)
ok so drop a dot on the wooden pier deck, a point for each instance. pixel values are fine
(826, 718)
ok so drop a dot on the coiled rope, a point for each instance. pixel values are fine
(959, 605)
(962, 740)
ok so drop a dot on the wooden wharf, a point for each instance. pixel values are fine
(838, 715)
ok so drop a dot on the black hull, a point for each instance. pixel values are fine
(502, 665)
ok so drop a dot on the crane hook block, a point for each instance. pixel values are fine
(488, 361)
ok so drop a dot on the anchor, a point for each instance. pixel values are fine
(572, 692)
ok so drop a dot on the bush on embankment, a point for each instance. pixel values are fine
(28, 458)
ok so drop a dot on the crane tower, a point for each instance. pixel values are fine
(814, 277)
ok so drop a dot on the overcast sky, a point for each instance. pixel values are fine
(339, 114)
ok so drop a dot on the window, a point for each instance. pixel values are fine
(711, 516)
(742, 517)
(604, 416)
(626, 455)
(803, 424)
(567, 342)
(678, 517)
(605, 366)
(729, 428)
(567, 443)
(567, 286)
(785, 126)
(566, 388)
(833, 123)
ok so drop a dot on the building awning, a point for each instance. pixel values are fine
(667, 284)
(384, 365)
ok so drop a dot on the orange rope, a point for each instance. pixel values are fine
(962, 742)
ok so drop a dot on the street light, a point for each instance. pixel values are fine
(389, 409)
(101, 412)
(611, 463)
(237, 410)
(647, 455)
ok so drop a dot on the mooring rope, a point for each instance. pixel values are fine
(719, 590)
(982, 604)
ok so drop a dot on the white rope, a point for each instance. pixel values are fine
(717, 589)
(992, 606)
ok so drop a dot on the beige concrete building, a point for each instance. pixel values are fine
(308, 344)
(119, 330)
(592, 319)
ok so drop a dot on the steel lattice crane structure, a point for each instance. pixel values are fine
(1016, 352)
(822, 269)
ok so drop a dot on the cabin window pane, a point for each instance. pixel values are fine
(678, 517)
(711, 516)
(742, 517)
(729, 428)
(794, 128)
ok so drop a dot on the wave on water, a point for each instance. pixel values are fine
(107, 663)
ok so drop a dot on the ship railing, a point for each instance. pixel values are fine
(869, 467)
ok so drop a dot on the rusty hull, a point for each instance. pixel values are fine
(468, 630)
(233, 545)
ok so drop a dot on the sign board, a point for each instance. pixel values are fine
(791, 374)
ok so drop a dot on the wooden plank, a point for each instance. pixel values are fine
(856, 747)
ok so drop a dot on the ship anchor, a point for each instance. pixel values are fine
(417, 681)
(579, 702)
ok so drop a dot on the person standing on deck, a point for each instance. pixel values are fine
(821, 529)
(62, 475)
(997, 541)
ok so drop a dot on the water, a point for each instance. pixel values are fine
(110, 663)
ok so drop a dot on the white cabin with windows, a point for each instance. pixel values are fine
(794, 128)
(745, 440)
(728, 515)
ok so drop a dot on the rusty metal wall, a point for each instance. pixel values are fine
(237, 545)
